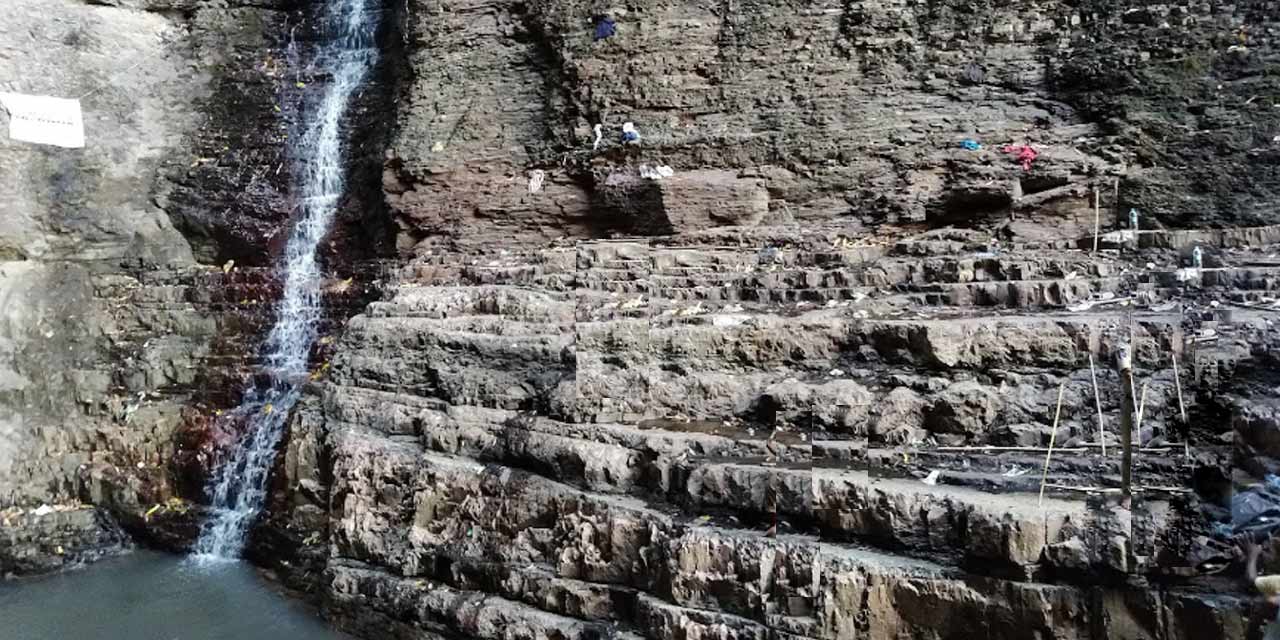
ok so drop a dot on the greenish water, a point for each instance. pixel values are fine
(152, 596)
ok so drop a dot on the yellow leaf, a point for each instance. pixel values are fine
(151, 511)
(301, 85)
(268, 409)
(218, 412)
(326, 340)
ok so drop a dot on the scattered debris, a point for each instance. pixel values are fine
(536, 177)
(629, 133)
(970, 144)
(1186, 274)
(1105, 298)
(932, 478)
(605, 28)
(599, 131)
(768, 256)
(43, 510)
(1120, 237)
(228, 266)
(656, 173)
(973, 73)
(1015, 471)
(1025, 154)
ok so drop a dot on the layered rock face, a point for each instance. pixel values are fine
(802, 387)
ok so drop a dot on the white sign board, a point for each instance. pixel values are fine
(44, 120)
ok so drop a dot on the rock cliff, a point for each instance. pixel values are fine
(800, 386)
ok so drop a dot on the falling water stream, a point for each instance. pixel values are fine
(347, 52)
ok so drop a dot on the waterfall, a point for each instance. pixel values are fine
(237, 490)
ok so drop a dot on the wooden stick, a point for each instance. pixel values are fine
(1139, 489)
(1125, 365)
(1067, 487)
(1182, 408)
(1079, 449)
(1142, 406)
(1097, 217)
(1053, 435)
(1097, 401)
(1116, 196)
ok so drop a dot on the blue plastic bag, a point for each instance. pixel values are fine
(605, 28)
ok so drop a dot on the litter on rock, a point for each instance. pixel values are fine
(970, 144)
(629, 133)
(656, 173)
(536, 177)
(932, 478)
(1025, 154)
(1185, 274)
(769, 255)
(599, 131)
(605, 28)
(44, 510)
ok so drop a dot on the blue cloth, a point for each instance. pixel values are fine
(605, 28)
(971, 145)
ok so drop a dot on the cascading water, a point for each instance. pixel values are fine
(237, 489)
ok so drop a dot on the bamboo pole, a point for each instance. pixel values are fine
(1125, 365)
(1097, 217)
(1182, 408)
(1053, 435)
(1142, 407)
(1097, 401)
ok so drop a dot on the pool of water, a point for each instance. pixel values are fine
(153, 596)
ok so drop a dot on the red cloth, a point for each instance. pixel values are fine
(1026, 155)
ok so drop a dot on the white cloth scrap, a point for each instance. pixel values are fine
(535, 180)
(44, 120)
